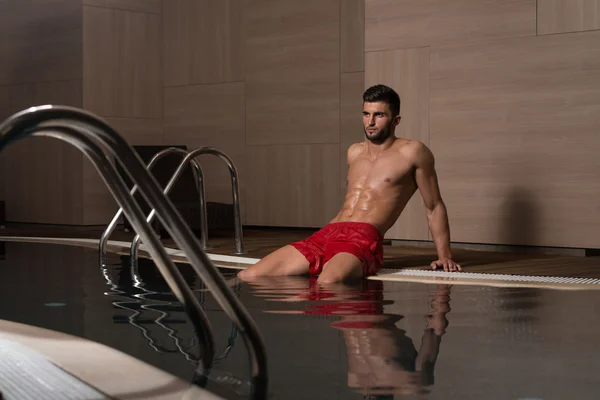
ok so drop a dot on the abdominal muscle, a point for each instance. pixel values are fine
(378, 208)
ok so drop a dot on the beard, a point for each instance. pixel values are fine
(380, 136)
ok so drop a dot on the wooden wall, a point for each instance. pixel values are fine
(40, 63)
(300, 60)
(204, 86)
(506, 95)
(102, 55)
(122, 82)
(275, 85)
(503, 92)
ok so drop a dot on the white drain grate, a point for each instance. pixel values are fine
(475, 278)
(28, 375)
(502, 277)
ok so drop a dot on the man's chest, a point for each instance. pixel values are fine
(383, 171)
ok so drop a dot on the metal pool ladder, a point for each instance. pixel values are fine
(191, 157)
(115, 220)
(99, 142)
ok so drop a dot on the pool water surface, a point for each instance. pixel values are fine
(369, 340)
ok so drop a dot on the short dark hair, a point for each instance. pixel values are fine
(384, 94)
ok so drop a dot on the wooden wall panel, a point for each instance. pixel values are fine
(292, 112)
(516, 139)
(352, 40)
(122, 65)
(414, 23)
(45, 180)
(292, 185)
(407, 72)
(560, 16)
(138, 131)
(351, 128)
(292, 58)
(149, 6)
(284, 39)
(5, 107)
(4, 113)
(122, 83)
(6, 110)
(203, 41)
(99, 204)
(211, 115)
(41, 41)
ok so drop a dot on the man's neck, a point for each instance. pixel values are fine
(377, 148)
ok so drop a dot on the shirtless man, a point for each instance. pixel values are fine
(383, 174)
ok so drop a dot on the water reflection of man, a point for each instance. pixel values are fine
(382, 360)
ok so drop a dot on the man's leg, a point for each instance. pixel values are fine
(285, 261)
(340, 268)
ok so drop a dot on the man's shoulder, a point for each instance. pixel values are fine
(409, 146)
(414, 150)
(354, 151)
(356, 148)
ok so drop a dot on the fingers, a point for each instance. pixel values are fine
(452, 266)
(448, 265)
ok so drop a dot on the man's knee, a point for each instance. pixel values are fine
(329, 279)
(250, 273)
(342, 267)
(245, 274)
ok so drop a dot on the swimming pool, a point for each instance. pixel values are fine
(376, 338)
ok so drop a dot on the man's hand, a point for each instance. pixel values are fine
(447, 264)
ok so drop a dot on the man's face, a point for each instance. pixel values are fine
(378, 122)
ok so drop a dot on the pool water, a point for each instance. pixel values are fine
(370, 340)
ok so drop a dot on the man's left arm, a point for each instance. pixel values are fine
(437, 215)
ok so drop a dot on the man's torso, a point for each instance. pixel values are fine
(378, 188)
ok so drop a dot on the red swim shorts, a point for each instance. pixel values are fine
(358, 238)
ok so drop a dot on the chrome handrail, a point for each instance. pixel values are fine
(64, 123)
(95, 150)
(115, 220)
(239, 240)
